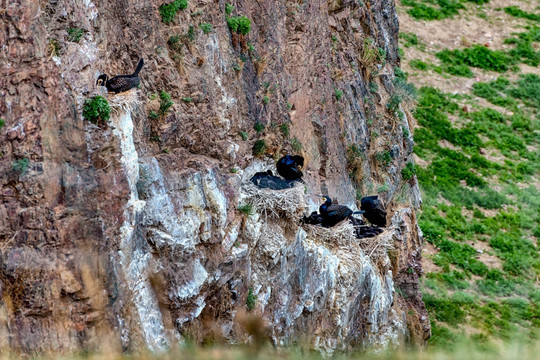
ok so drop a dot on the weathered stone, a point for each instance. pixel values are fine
(130, 230)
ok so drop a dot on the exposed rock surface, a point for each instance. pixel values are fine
(131, 232)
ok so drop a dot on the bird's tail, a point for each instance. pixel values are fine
(139, 67)
(358, 212)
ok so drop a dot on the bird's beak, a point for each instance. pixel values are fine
(299, 167)
(323, 199)
(99, 82)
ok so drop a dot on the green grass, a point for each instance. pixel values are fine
(165, 102)
(246, 209)
(258, 127)
(459, 186)
(251, 300)
(75, 34)
(206, 27)
(517, 12)
(283, 128)
(21, 166)
(259, 148)
(419, 65)
(477, 56)
(432, 9)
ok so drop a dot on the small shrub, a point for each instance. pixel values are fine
(165, 102)
(96, 110)
(384, 157)
(244, 135)
(229, 9)
(393, 103)
(296, 145)
(477, 56)
(168, 11)
(153, 115)
(258, 127)
(338, 93)
(284, 128)
(259, 148)
(458, 70)
(190, 34)
(206, 27)
(409, 171)
(187, 99)
(21, 166)
(411, 39)
(246, 209)
(266, 99)
(517, 12)
(418, 64)
(239, 24)
(251, 300)
(174, 42)
(2, 123)
(75, 34)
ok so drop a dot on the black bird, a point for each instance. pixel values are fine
(290, 167)
(268, 180)
(374, 210)
(313, 219)
(121, 83)
(333, 214)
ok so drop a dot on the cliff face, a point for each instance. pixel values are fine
(132, 231)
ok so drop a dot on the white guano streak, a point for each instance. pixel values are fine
(133, 259)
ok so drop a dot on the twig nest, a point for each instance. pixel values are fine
(123, 102)
(342, 234)
(287, 203)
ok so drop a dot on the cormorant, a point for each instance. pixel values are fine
(121, 83)
(374, 210)
(268, 180)
(333, 214)
(313, 219)
(290, 166)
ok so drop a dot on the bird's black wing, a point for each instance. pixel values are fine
(122, 83)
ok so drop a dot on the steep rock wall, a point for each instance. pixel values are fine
(86, 253)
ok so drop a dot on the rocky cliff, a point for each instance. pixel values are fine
(130, 231)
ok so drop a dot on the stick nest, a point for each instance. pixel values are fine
(287, 203)
(342, 238)
(124, 102)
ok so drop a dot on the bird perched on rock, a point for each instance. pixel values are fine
(290, 167)
(334, 213)
(374, 210)
(268, 180)
(121, 83)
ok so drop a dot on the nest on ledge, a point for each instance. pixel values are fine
(125, 102)
(287, 203)
(342, 238)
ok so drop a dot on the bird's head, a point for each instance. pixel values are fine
(102, 80)
(299, 161)
(326, 200)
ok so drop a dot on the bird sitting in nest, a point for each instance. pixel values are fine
(334, 213)
(290, 167)
(374, 210)
(121, 83)
(267, 180)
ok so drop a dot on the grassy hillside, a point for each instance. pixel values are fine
(478, 164)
